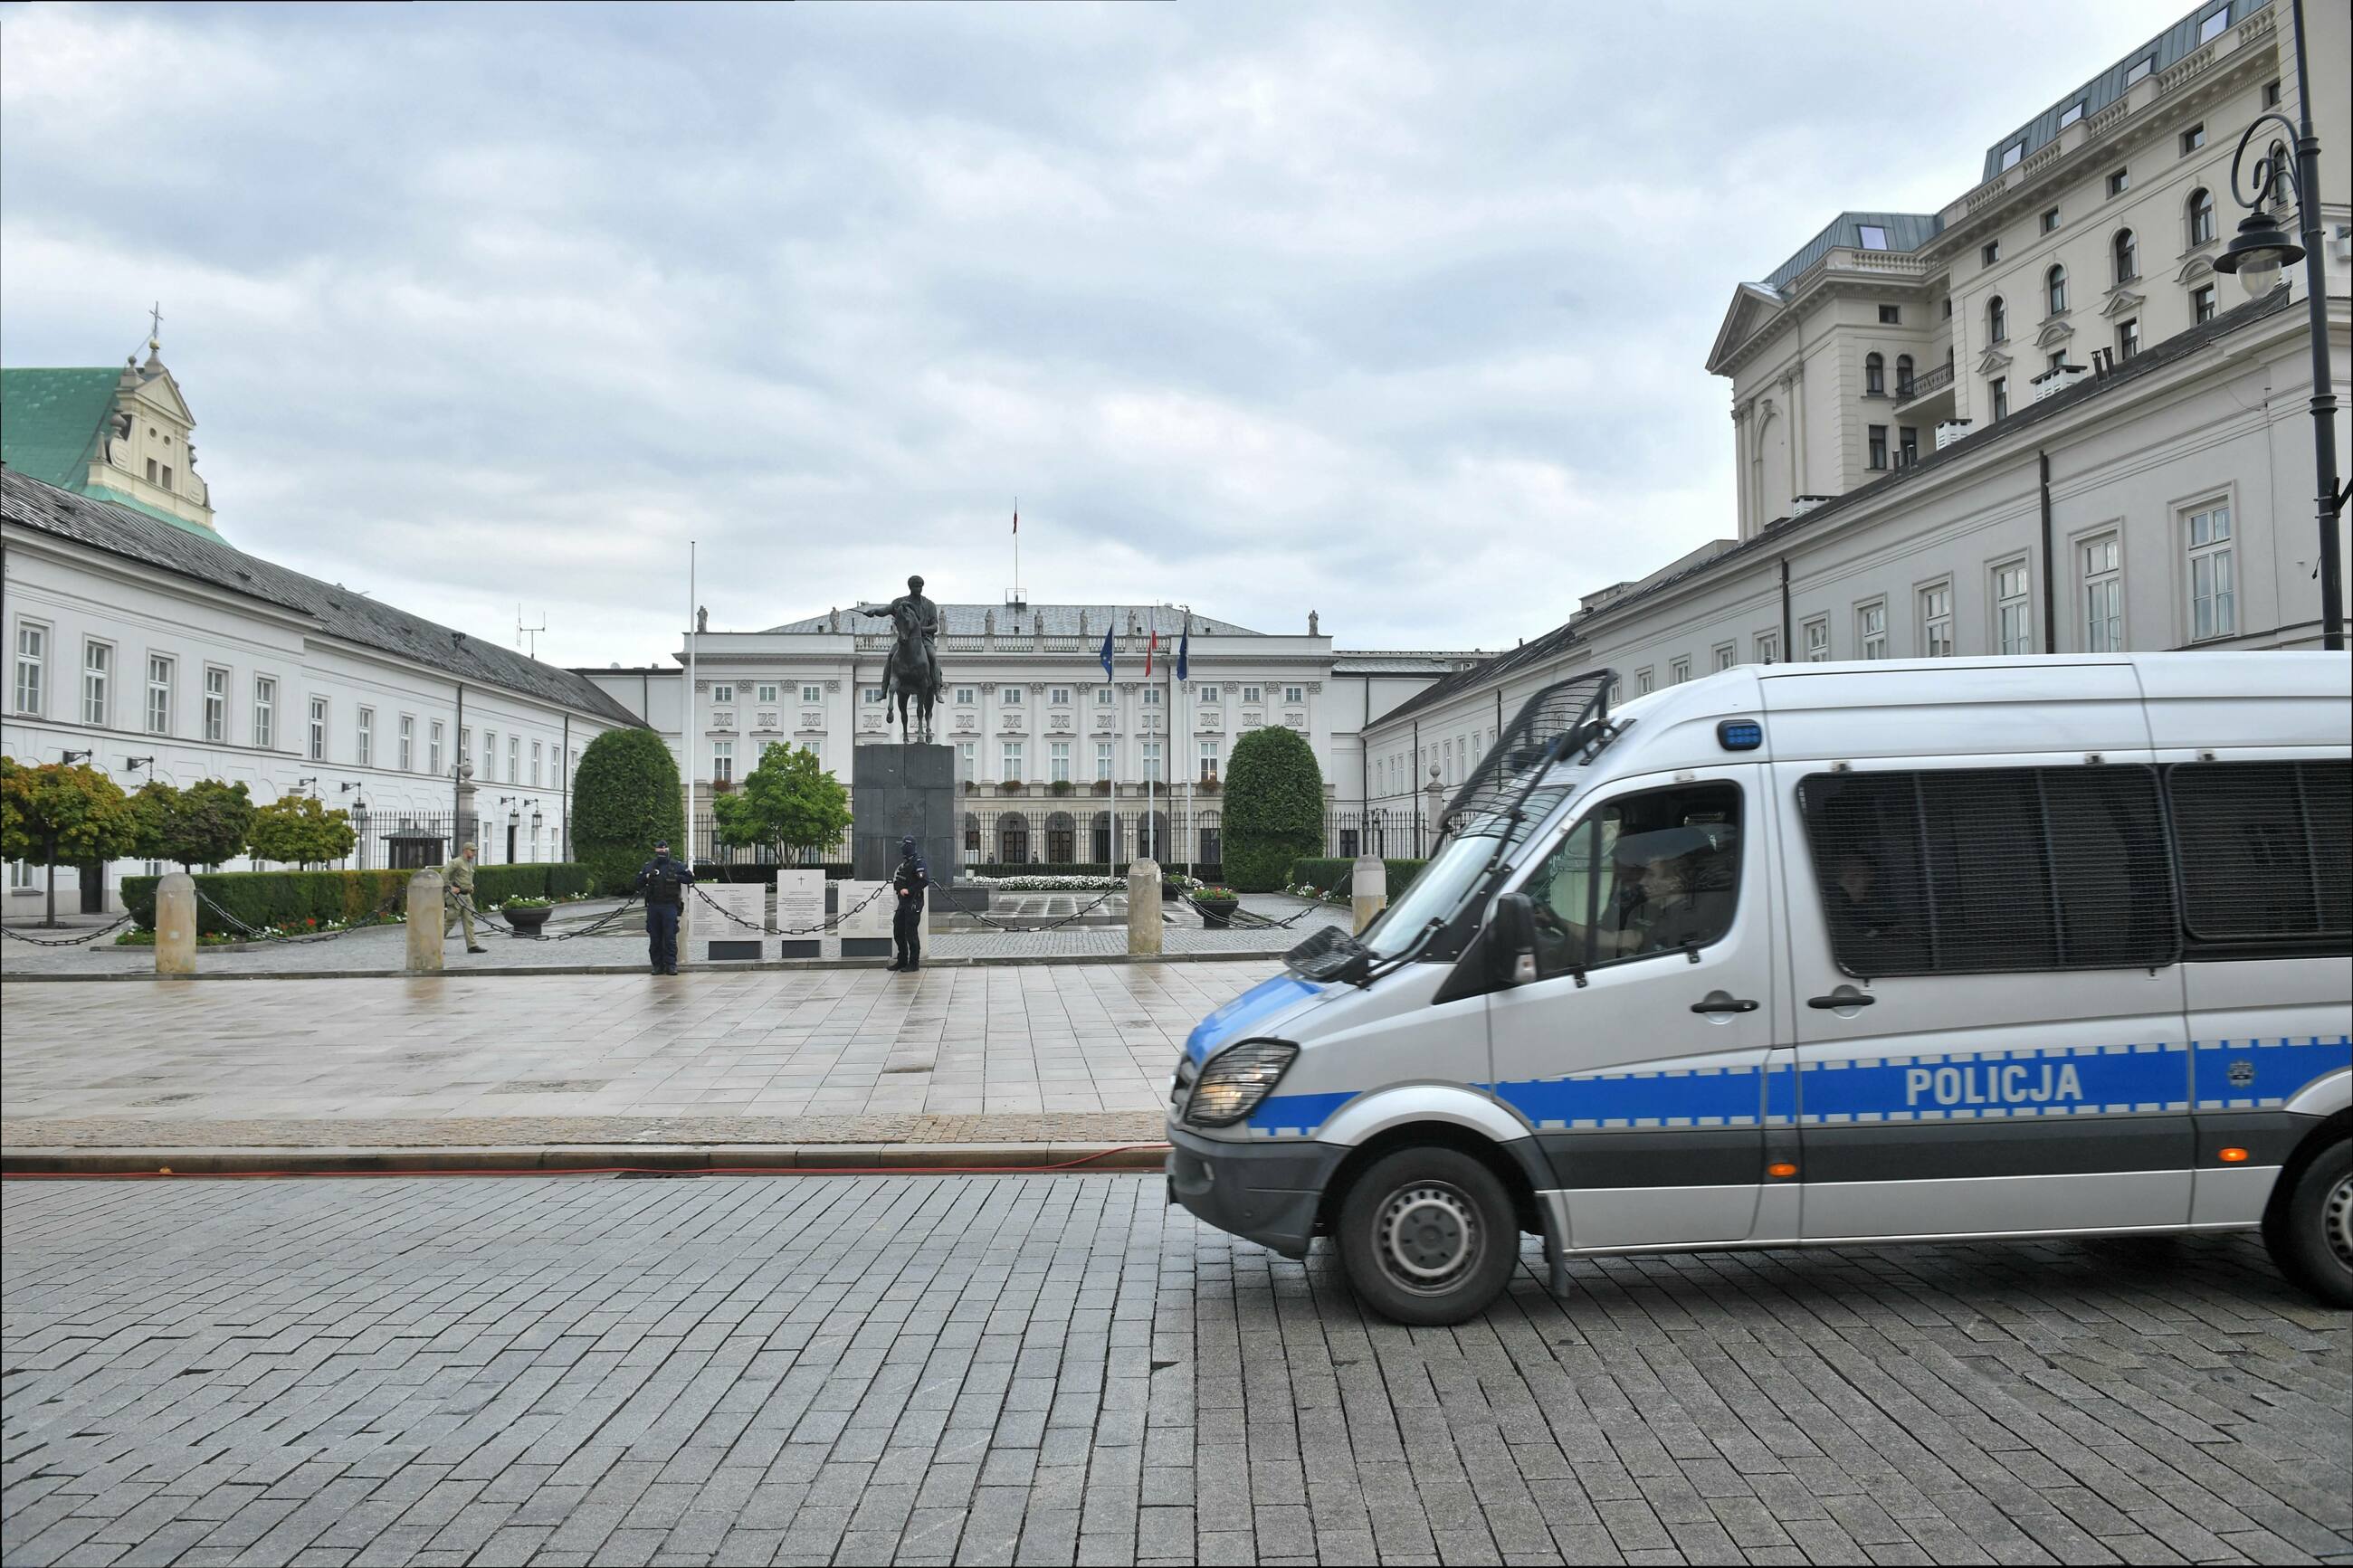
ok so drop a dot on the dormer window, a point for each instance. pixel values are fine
(1871, 237)
(2212, 27)
(2071, 113)
(2012, 153)
(151, 470)
(2139, 69)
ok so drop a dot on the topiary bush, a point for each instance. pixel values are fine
(1274, 808)
(625, 795)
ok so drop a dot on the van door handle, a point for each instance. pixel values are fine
(1845, 996)
(1717, 1002)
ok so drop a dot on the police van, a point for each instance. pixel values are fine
(1822, 954)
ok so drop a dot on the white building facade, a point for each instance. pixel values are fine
(166, 654)
(1059, 763)
(2034, 422)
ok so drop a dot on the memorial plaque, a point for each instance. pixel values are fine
(734, 923)
(800, 913)
(866, 933)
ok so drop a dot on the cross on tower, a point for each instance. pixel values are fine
(155, 319)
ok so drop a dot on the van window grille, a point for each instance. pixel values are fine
(1987, 871)
(2266, 849)
(1484, 802)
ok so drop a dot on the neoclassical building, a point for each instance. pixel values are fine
(120, 436)
(1060, 761)
(2035, 421)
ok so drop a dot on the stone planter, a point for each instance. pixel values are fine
(1217, 915)
(526, 922)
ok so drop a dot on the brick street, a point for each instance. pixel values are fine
(1054, 1369)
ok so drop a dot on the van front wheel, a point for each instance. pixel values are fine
(1429, 1235)
(2312, 1237)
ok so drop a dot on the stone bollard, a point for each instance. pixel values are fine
(176, 924)
(1369, 883)
(426, 919)
(1144, 909)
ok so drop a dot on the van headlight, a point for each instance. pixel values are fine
(1234, 1080)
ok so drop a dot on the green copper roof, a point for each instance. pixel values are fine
(49, 420)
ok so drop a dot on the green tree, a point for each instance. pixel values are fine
(54, 814)
(624, 796)
(299, 829)
(787, 801)
(203, 824)
(153, 805)
(1274, 808)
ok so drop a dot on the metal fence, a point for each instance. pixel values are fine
(407, 839)
(1076, 831)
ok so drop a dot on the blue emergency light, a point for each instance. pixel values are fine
(1740, 734)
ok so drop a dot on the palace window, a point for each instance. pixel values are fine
(2213, 604)
(2128, 337)
(767, 692)
(1997, 389)
(1009, 695)
(966, 752)
(2202, 303)
(2193, 139)
(1878, 446)
(965, 696)
(265, 711)
(1891, 315)
(2124, 251)
(97, 665)
(2119, 182)
(1152, 761)
(723, 693)
(1645, 681)
(816, 694)
(489, 755)
(216, 703)
(1818, 639)
(1871, 237)
(1152, 697)
(433, 734)
(2013, 616)
(1907, 446)
(2201, 216)
(32, 666)
(722, 761)
(1208, 762)
(1874, 375)
(2071, 113)
(317, 749)
(1059, 696)
(1989, 253)
(1678, 672)
(1903, 376)
(1871, 629)
(407, 743)
(1058, 761)
(1104, 697)
(1102, 762)
(2212, 27)
(514, 759)
(1294, 695)
(1727, 655)
(1250, 694)
(1012, 758)
(1206, 694)
(1997, 320)
(2054, 289)
(2050, 220)
(159, 694)
(534, 764)
(1769, 648)
(1936, 620)
(2103, 595)
(367, 756)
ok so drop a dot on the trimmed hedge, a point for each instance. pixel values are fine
(1274, 808)
(290, 898)
(1333, 874)
(624, 796)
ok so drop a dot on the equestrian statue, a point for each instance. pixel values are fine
(914, 670)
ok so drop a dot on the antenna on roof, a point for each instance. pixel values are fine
(522, 631)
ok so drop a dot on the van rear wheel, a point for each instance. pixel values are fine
(2311, 1238)
(1429, 1235)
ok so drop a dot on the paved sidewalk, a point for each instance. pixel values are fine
(621, 946)
(1035, 1055)
(724, 1369)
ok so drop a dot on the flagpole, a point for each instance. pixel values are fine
(1184, 722)
(1016, 552)
(686, 720)
(1150, 636)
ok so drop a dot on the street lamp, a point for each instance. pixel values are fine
(132, 764)
(2256, 255)
(360, 826)
(67, 759)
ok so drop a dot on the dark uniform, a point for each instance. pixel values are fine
(662, 882)
(908, 882)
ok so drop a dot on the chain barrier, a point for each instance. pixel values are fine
(491, 922)
(66, 941)
(381, 915)
(827, 924)
(1056, 923)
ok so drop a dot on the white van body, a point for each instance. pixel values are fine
(2015, 947)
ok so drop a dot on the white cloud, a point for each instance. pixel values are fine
(1392, 312)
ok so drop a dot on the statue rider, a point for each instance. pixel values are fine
(917, 621)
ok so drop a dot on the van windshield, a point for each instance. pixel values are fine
(1458, 868)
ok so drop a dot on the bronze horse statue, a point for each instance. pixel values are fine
(913, 673)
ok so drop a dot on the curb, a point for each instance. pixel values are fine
(781, 1159)
(745, 966)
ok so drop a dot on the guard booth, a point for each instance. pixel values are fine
(413, 850)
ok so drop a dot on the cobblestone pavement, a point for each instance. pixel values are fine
(383, 949)
(1060, 1369)
(998, 1055)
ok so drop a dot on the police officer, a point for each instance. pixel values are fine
(661, 882)
(908, 882)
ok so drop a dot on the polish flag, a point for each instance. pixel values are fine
(1150, 648)
(1017, 519)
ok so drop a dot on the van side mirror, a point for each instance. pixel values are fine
(1511, 939)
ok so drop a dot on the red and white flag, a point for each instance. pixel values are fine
(1150, 648)
(1017, 519)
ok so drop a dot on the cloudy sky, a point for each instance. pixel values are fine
(1393, 312)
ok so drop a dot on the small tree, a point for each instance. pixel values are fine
(152, 805)
(787, 801)
(205, 824)
(1274, 808)
(54, 814)
(301, 829)
(624, 796)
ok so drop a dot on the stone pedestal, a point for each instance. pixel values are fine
(176, 924)
(800, 914)
(426, 918)
(1144, 919)
(900, 792)
(737, 939)
(866, 910)
(1368, 887)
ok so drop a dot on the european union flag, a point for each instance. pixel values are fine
(1106, 652)
(1183, 643)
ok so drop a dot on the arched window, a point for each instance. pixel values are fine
(2054, 287)
(1874, 375)
(2201, 216)
(2127, 252)
(1997, 320)
(1903, 376)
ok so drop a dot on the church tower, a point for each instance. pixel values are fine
(117, 436)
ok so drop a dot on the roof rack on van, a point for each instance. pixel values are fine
(1549, 725)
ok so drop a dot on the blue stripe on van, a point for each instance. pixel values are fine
(2269, 1072)
(1670, 1098)
(1968, 1085)
(1296, 1115)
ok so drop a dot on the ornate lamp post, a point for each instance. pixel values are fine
(2256, 256)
